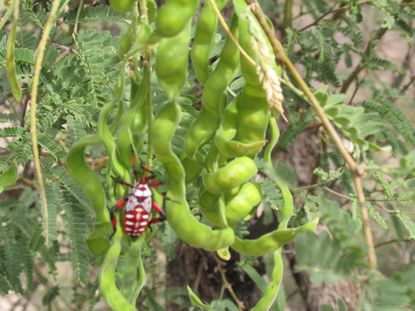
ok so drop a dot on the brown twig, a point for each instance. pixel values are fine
(228, 286)
(406, 86)
(28, 182)
(317, 20)
(23, 104)
(356, 170)
(353, 75)
(393, 241)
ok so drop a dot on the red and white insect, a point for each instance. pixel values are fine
(137, 205)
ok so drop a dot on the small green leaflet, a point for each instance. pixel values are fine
(196, 301)
(9, 177)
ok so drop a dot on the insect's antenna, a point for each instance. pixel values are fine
(134, 163)
(121, 182)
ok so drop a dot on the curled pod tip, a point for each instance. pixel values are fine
(272, 241)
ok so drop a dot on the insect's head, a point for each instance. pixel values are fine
(142, 190)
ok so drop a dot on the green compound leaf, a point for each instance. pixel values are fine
(94, 15)
(408, 223)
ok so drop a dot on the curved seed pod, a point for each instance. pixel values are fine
(225, 139)
(192, 168)
(271, 292)
(241, 204)
(237, 206)
(233, 174)
(209, 206)
(108, 140)
(107, 281)
(172, 62)
(174, 15)
(207, 122)
(271, 241)
(98, 242)
(204, 39)
(186, 226)
(133, 121)
(132, 272)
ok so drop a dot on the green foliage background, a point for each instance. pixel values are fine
(339, 53)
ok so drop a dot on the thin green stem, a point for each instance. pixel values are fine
(78, 14)
(6, 17)
(149, 110)
(33, 120)
(275, 134)
(288, 13)
(144, 11)
(147, 70)
(229, 32)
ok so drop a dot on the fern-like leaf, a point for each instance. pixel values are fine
(93, 15)
(51, 196)
(13, 259)
(408, 223)
(393, 116)
(11, 132)
(7, 117)
(50, 145)
(75, 218)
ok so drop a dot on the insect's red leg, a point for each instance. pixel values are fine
(158, 210)
(155, 183)
(156, 220)
(120, 203)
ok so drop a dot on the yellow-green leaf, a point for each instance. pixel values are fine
(9, 177)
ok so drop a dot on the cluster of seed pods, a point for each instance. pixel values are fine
(220, 147)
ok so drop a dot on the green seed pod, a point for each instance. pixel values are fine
(204, 39)
(208, 203)
(225, 135)
(172, 62)
(207, 122)
(174, 15)
(107, 282)
(98, 242)
(237, 206)
(235, 173)
(186, 226)
(123, 6)
(241, 204)
(272, 241)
